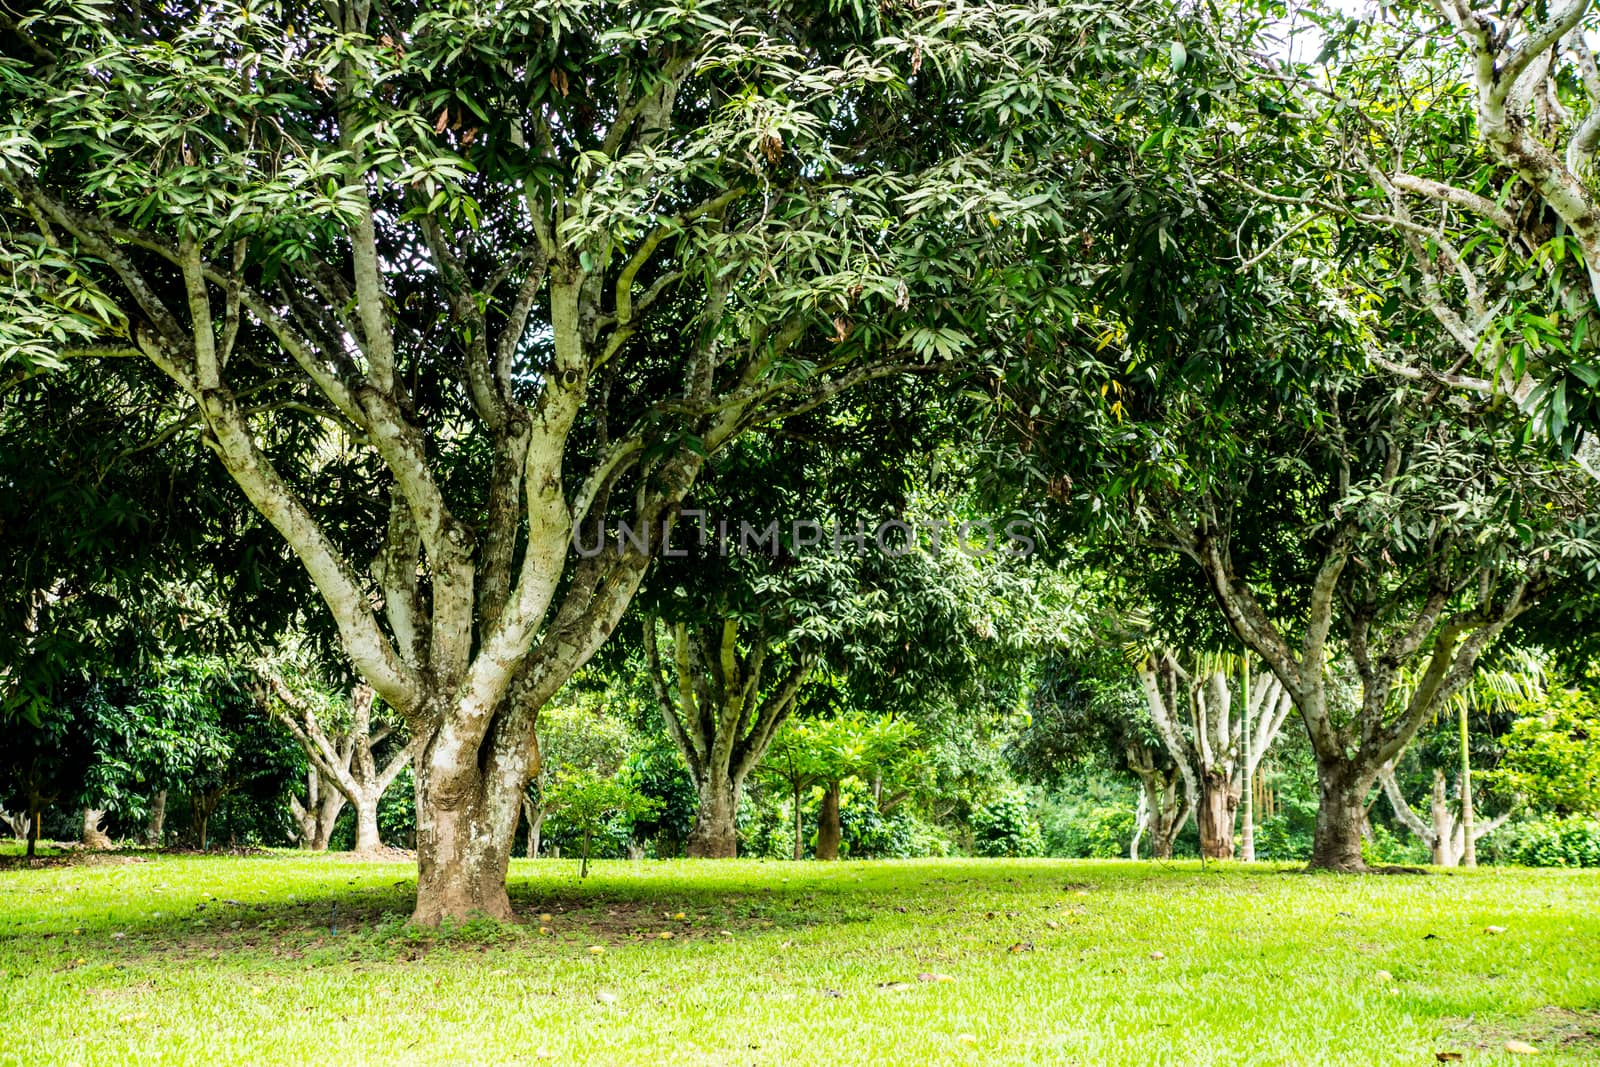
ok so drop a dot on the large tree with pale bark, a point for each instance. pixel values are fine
(534, 263)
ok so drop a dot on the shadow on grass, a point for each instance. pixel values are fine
(320, 922)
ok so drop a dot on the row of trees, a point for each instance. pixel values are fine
(480, 310)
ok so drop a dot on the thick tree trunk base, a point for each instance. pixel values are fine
(460, 900)
(1341, 810)
(464, 836)
(1214, 821)
(715, 836)
(367, 837)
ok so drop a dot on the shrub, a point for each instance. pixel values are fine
(1005, 827)
(1553, 842)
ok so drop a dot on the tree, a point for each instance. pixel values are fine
(1463, 164)
(1446, 832)
(535, 265)
(1331, 513)
(1215, 751)
(721, 717)
(578, 731)
(846, 746)
(341, 764)
(792, 762)
(248, 752)
(1083, 711)
(586, 802)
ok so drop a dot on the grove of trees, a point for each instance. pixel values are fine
(565, 427)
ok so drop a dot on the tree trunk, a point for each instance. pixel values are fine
(1214, 819)
(1469, 846)
(466, 824)
(33, 832)
(93, 836)
(156, 830)
(1247, 825)
(714, 836)
(829, 832)
(1165, 811)
(1341, 810)
(534, 813)
(799, 828)
(367, 839)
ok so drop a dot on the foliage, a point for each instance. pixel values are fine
(587, 804)
(655, 771)
(1552, 841)
(1005, 826)
(1552, 754)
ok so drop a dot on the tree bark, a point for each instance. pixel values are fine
(829, 830)
(1219, 800)
(33, 832)
(466, 825)
(799, 828)
(93, 836)
(534, 815)
(367, 839)
(715, 835)
(156, 829)
(1166, 810)
(1341, 810)
(1469, 840)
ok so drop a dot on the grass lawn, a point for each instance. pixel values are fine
(283, 958)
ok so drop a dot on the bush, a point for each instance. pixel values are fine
(1283, 838)
(1385, 847)
(765, 824)
(1087, 823)
(1552, 842)
(1005, 827)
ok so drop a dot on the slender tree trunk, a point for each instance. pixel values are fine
(1341, 810)
(799, 828)
(33, 832)
(1469, 846)
(156, 830)
(1247, 828)
(714, 835)
(829, 832)
(1219, 800)
(534, 814)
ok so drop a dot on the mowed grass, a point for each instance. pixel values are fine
(289, 959)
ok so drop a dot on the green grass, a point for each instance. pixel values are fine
(284, 959)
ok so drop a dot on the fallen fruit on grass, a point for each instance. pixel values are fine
(967, 1039)
(1447, 1057)
(605, 998)
(665, 935)
(597, 949)
(934, 976)
(1521, 1048)
(1158, 955)
(547, 918)
(1494, 929)
(1382, 977)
